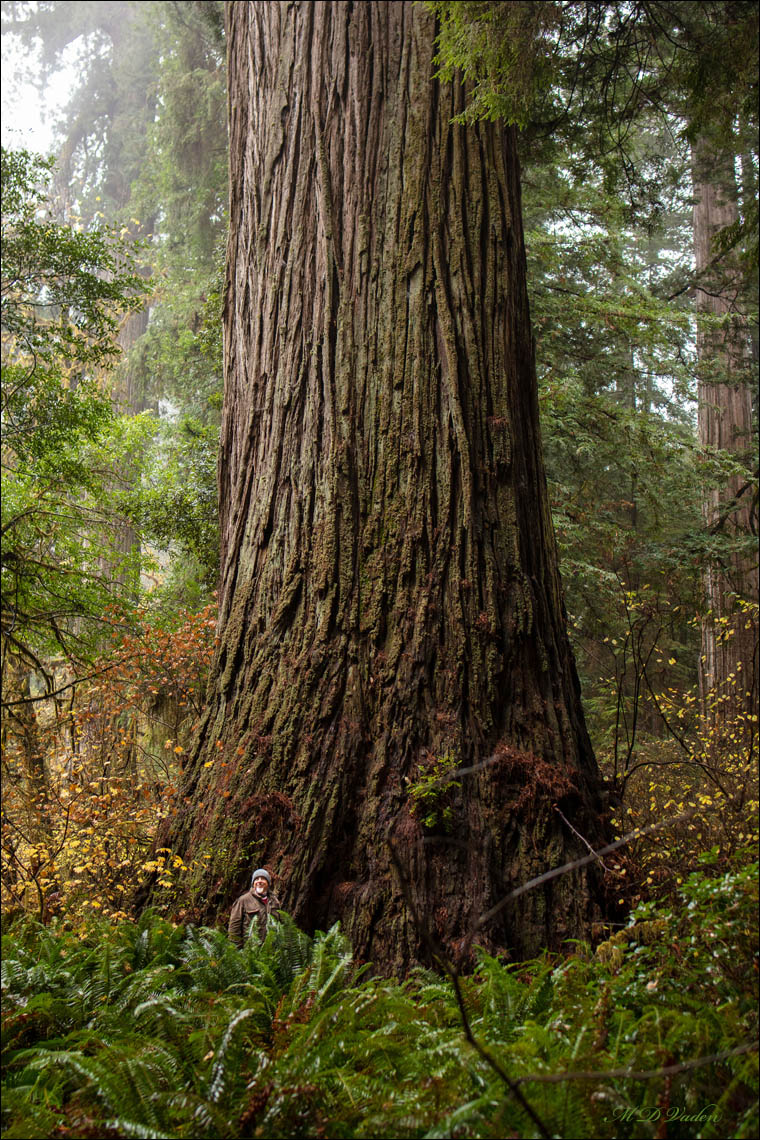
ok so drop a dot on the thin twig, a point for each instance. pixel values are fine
(46, 696)
(581, 837)
(642, 1075)
(576, 863)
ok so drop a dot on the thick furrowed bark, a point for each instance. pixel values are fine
(389, 584)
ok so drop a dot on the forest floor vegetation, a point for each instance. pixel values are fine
(154, 1029)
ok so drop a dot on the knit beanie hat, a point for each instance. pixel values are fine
(260, 873)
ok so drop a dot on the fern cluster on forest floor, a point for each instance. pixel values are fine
(149, 1030)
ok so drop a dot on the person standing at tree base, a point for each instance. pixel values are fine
(256, 905)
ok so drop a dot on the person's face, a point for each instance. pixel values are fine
(260, 886)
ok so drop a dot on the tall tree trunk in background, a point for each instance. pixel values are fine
(729, 636)
(127, 107)
(21, 737)
(390, 595)
(28, 825)
(128, 394)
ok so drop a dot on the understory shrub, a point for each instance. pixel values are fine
(153, 1030)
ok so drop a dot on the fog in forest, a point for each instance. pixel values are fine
(380, 511)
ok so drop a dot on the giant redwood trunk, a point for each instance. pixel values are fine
(390, 599)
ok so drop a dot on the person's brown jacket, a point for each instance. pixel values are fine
(250, 907)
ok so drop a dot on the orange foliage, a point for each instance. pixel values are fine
(112, 750)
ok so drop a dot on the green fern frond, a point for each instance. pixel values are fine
(286, 949)
(125, 1127)
(28, 1119)
(146, 984)
(472, 1118)
(159, 1011)
(228, 1056)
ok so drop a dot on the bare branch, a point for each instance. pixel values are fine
(642, 1075)
(581, 837)
(576, 863)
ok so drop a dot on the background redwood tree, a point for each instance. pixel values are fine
(390, 606)
(729, 633)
